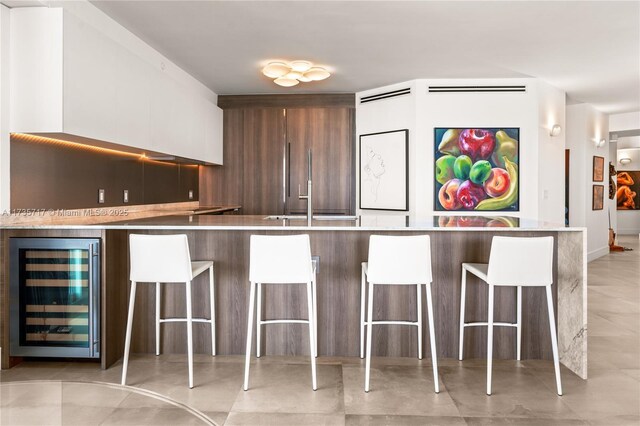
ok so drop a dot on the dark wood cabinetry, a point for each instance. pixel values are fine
(266, 139)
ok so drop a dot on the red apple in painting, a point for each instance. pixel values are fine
(497, 183)
(477, 143)
(469, 194)
(447, 195)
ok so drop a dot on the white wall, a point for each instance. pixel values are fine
(541, 194)
(585, 126)
(4, 109)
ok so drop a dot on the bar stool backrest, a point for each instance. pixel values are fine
(521, 261)
(280, 259)
(159, 258)
(399, 259)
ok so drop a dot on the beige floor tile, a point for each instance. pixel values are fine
(152, 416)
(518, 421)
(286, 388)
(284, 419)
(395, 390)
(354, 420)
(516, 393)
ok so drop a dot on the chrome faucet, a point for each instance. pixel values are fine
(308, 196)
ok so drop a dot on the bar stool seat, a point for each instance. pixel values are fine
(277, 260)
(513, 262)
(165, 259)
(398, 261)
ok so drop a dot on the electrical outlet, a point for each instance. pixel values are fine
(545, 194)
(125, 196)
(191, 194)
(101, 196)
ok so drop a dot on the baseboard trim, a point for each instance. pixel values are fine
(595, 254)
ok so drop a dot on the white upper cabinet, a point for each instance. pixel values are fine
(68, 77)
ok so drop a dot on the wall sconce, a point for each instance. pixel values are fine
(555, 130)
(625, 160)
(600, 143)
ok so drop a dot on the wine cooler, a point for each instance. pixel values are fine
(54, 297)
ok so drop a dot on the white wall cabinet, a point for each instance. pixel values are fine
(68, 77)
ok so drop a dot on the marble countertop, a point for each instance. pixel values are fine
(348, 223)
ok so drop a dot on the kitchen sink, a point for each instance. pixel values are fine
(303, 217)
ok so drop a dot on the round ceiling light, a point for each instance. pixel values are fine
(317, 74)
(300, 66)
(290, 74)
(275, 69)
(625, 160)
(286, 82)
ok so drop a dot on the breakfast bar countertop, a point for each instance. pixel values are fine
(320, 223)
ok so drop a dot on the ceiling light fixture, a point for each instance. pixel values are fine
(555, 130)
(625, 160)
(290, 74)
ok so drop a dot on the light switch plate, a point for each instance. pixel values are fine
(191, 194)
(125, 196)
(101, 196)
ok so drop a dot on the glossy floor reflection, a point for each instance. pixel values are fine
(36, 393)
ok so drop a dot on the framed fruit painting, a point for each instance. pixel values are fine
(477, 169)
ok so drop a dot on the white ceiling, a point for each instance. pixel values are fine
(589, 49)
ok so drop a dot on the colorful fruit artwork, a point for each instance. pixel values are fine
(477, 169)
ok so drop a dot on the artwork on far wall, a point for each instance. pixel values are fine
(628, 190)
(477, 169)
(598, 169)
(598, 197)
(384, 170)
(612, 181)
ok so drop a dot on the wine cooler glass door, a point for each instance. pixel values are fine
(57, 297)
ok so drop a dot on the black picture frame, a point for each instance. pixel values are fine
(598, 169)
(405, 206)
(597, 197)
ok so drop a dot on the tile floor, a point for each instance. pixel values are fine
(39, 393)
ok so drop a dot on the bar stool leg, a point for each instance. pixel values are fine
(312, 345)
(419, 312)
(367, 375)
(519, 323)
(189, 334)
(363, 291)
(314, 286)
(158, 304)
(258, 319)
(463, 295)
(432, 339)
(490, 340)
(247, 359)
(212, 301)
(127, 340)
(554, 340)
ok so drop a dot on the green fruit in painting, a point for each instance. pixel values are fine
(462, 167)
(506, 146)
(449, 142)
(444, 168)
(479, 172)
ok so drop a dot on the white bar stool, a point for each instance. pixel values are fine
(398, 261)
(281, 260)
(165, 259)
(515, 262)
(260, 322)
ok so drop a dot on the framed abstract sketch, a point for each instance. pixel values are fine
(628, 192)
(598, 169)
(598, 197)
(384, 170)
(477, 169)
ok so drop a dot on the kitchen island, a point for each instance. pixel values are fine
(341, 245)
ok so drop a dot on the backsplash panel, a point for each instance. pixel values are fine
(48, 176)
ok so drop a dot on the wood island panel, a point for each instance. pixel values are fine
(341, 253)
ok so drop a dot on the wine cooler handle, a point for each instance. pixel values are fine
(94, 296)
